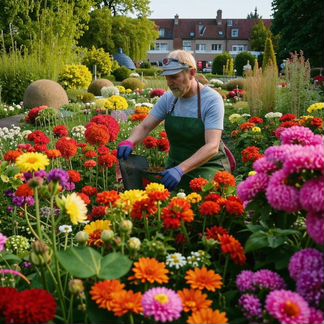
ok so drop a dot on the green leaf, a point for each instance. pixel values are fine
(254, 228)
(10, 257)
(114, 266)
(275, 241)
(256, 241)
(80, 262)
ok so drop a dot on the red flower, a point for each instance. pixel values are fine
(108, 160)
(7, 295)
(159, 195)
(317, 122)
(288, 124)
(233, 247)
(97, 134)
(138, 117)
(90, 154)
(24, 191)
(98, 212)
(198, 184)
(61, 131)
(234, 208)
(225, 178)
(11, 156)
(215, 231)
(256, 120)
(246, 126)
(144, 208)
(209, 208)
(163, 134)
(31, 306)
(107, 197)
(67, 146)
(213, 197)
(288, 117)
(110, 122)
(103, 150)
(40, 148)
(157, 93)
(150, 142)
(33, 114)
(235, 133)
(26, 147)
(163, 145)
(90, 191)
(38, 137)
(180, 239)
(89, 164)
(53, 154)
(85, 198)
(75, 176)
(251, 154)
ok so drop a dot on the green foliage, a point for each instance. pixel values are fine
(48, 117)
(133, 83)
(242, 59)
(254, 15)
(74, 95)
(75, 76)
(259, 34)
(122, 73)
(146, 65)
(299, 25)
(100, 58)
(148, 71)
(229, 68)
(234, 84)
(74, 107)
(269, 56)
(88, 97)
(220, 62)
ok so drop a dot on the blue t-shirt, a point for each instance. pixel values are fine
(212, 108)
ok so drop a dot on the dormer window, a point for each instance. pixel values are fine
(202, 30)
(229, 22)
(235, 32)
(220, 33)
(192, 34)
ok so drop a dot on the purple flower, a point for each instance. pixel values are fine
(244, 281)
(58, 175)
(299, 135)
(316, 316)
(312, 195)
(163, 304)
(252, 186)
(3, 240)
(266, 279)
(10, 193)
(21, 201)
(10, 209)
(69, 186)
(263, 165)
(41, 174)
(305, 260)
(315, 227)
(281, 196)
(287, 307)
(28, 176)
(310, 285)
(251, 306)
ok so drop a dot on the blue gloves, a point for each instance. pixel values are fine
(125, 149)
(172, 177)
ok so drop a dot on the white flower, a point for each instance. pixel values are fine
(181, 195)
(65, 229)
(134, 75)
(246, 115)
(175, 260)
(107, 92)
(273, 115)
(216, 82)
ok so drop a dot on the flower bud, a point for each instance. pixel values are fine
(209, 243)
(76, 286)
(39, 247)
(134, 243)
(126, 226)
(35, 182)
(82, 237)
(40, 254)
(181, 195)
(107, 236)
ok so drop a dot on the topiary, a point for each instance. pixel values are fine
(45, 93)
(234, 84)
(242, 59)
(88, 97)
(75, 76)
(121, 73)
(133, 84)
(219, 62)
(99, 58)
(96, 86)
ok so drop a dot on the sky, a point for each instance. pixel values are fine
(208, 8)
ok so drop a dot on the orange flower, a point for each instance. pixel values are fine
(210, 208)
(204, 279)
(126, 302)
(197, 184)
(11, 156)
(96, 134)
(67, 146)
(150, 270)
(233, 247)
(107, 197)
(90, 164)
(144, 208)
(251, 154)
(234, 208)
(138, 117)
(53, 154)
(225, 178)
(208, 316)
(102, 292)
(247, 126)
(194, 300)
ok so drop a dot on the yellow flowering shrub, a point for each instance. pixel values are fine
(121, 89)
(142, 110)
(75, 76)
(116, 103)
(315, 107)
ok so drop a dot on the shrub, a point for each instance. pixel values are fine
(88, 97)
(74, 107)
(146, 65)
(96, 86)
(219, 62)
(121, 73)
(149, 72)
(98, 57)
(47, 116)
(242, 59)
(269, 57)
(133, 83)
(233, 84)
(74, 95)
(75, 76)
(110, 77)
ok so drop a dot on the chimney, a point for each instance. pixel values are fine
(176, 19)
(219, 17)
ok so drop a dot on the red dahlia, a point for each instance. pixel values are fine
(110, 122)
(67, 146)
(96, 134)
(210, 208)
(60, 131)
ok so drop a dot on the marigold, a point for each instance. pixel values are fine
(194, 300)
(67, 146)
(74, 176)
(208, 316)
(102, 292)
(150, 270)
(288, 117)
(107, 197)
(138, 117)
(53, 154)
(11, 156)
(198, 184)
(256, 120)
(225, 178)
(94, 229)
(144, 208)
(90, 191)
(230, 245)
(209, 208)
(194, 198)
(317, 122)
(129, 197)
(204, 279)
(124, 302)
(157, 192)
(30, 162)
(234, 208)
(213, 197)
(97, 134)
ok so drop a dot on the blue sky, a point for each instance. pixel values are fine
(208, 8)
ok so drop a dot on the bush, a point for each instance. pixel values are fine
(233, 84)
(47, 116)
(121, 73)
(110, 77)
(133, 83)
(146, 65)
(241, 60)
(88, 97)
(75, 76)
(98, 57)
(149, 72)
(74, 107)
(96, 86)
(220, 61)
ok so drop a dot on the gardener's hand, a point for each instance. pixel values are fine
(125, 149)
(172, 177)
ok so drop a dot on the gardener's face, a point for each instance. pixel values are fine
(179, 83)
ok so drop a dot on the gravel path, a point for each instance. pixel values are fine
(9, 121)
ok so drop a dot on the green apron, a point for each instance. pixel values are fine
(186, 136)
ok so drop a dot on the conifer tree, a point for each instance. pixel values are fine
(269, 56)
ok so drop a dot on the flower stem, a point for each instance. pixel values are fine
(38, 223)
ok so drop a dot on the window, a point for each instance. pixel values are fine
(159, 46)
(202, 30)
(229, 23)
(186, 45)
(216, 47)
(220, 33)
(238, 48)
(201, 47)
(162, 32)
(235, 32)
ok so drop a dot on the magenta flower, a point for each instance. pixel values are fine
(163, 304)
(266, 279)
(277, 154)
(312, 195)
(244, 281)
(315, 227)
(3, 240)
(299, 135)
(287, 307)
(251, 306)
(252, 186)
(316, 316)
(263, 165)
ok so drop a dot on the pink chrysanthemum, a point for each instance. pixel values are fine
(312, 195)
(299, 135)
(315, 227)
(252, 186)
(163, 304)
(263, 165)
(244, 281)
(287, 307)
(281, 196)
(278, 153)
(316, 316)
(267, 279)
(3, 240)
(251, 306)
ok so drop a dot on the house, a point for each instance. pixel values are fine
(204, 38)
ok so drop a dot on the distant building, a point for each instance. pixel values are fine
(204, 38)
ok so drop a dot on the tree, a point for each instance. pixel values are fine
(140, 8)
(259, 35)
(242, 59)
(254, 15)
(219, 63)
(299, 25)
(269, 57)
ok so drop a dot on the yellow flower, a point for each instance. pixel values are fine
(256, 129)
(75, 208)
(116, 103)
(142, 110)
(315, 107)
(129, 91)
(129, 197)
(101, 103)
(252, 173)
(194, 198)
(153, 187)
(29, 162)
(234, 118)
(98, 225)
(121, 89)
